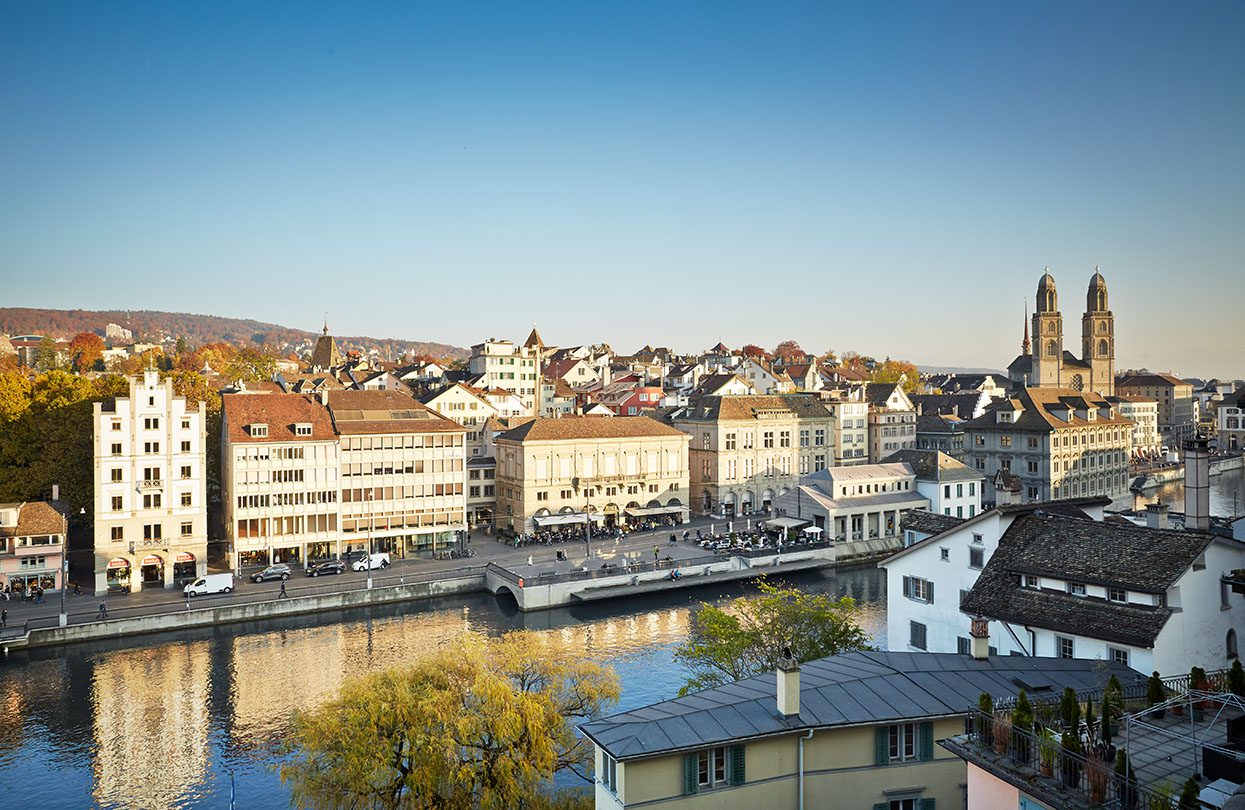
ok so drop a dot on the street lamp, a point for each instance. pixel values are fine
(371, 527)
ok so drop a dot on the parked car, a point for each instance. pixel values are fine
(326, 567)
(211, 583)
(379, 560)
(277, 571)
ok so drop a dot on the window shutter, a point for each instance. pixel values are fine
(880, 806)
(929, 592)
(926, 741)
(927, 804)
(882, 741)
(691, 774)
(737, 764)
(907, 586)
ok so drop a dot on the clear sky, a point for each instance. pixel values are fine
(879, 176)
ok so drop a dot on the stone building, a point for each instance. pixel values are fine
(1177, 419)
(1046, 363)
(892, 420)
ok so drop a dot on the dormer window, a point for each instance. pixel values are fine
(302, 429)
(1031, 582)
(257, 431)
(1076, 588)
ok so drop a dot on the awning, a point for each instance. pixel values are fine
(785, 523)
(813, 530)
(653, 510)
(563, 520)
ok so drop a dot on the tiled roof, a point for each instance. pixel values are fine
(939, 423)
(589, 427)
(879, 393)
(933, 465)
(280, 412)
(364, 412)
(1130, 557)
(1150, 380)
(925, 522)
(735, 408)
(852, 689)
(37, 518)
(1038, 407)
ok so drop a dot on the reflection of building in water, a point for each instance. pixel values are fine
(30, 703)
(151, 724)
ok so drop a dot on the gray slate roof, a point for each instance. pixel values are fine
(934, 465)
(1114, 555)
(857, 688)
(919, 520)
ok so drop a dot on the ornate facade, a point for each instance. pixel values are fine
(1045, 363)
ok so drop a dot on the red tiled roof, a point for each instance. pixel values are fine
(280, 412)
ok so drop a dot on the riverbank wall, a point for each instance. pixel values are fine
(1167, 475)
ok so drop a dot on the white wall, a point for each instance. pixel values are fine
(1196, 634)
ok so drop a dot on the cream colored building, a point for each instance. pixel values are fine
(576, 468)
(892, 420)
(851, 434)
(280, 479)
(747, 451)
(856, 730)
(501, 364)
(864, 502)
(404, 473)
(150, 488)
(1144, 414)
(469, 408)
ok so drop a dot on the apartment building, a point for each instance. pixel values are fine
(851, 434)
(1145, 439)
(1177, 418)
(32, 544)
(1060, 443)
(611, 470)
(466, 406)
(280, 478)
(150, 501)
(747, 451)
(892, 420)
(501, 364)
(403, 473)
(952, 488)
(1230, 421)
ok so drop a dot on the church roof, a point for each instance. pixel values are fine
(1072, 361)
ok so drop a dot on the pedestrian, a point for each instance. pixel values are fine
(673, 538)
(38, 596)
(282, 594)
(656, 553)
(686, 535)
(4, 618)
(529, 559)
(103, 611)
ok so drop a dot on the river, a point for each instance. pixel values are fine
(173, 722)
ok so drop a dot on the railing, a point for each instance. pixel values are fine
(151, 483)
(1046, 707)
(635, 567)
(1042, 762)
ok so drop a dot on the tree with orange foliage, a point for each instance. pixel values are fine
(86, 350)
(752, 350)
(788, 352)
(889, 371)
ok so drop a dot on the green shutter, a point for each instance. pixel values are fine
(925, 741)
(737, 764)
(882, 739)
(691, 774)
(927, 804)
(881, 806)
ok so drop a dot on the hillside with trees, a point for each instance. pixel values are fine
(153, 327)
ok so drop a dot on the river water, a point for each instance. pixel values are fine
(175, 721)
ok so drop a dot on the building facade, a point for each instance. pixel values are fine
(1046, 363)
(1177, 419)
(849, 504)
(851, 434)
(892, 420)
(501, 364)
(1145, 438)
(747, 451)
(150, 488)
(1060, 443)
(610, 470)
(1230, 421)
(32, 545)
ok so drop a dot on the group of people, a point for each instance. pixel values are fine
(34, 593)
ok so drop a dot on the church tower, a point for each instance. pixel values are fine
(1047, 336)
(1098, 337)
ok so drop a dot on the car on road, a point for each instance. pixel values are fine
(210, 583)
(326, 567)
(372, 562)
(277, 571)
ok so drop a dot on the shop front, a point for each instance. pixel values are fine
(152, 571)
(118, 574)
(249, 558)
(183, 568)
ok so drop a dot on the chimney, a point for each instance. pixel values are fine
(1156, 516)
(788, 685)
(1197, 484)
(979, 635)
(56, 492)
(324, 396)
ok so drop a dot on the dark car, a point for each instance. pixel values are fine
(277, 571)
(326, 567)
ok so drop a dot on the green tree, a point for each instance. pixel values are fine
(47, 358)
(1188, 795)
(746, 636)
(484, 724)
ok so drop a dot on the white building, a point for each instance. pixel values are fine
(892, 420)
(501, 364)
(1230, 421)
(150, 488)
(851, 434)
(865, 502)
(952, 488)
(280, 479)
(1144, 413)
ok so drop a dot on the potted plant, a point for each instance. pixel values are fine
(1070, 768)
(1105, 731)
(1048, 744)
(1236, 678)
(985, 705)
(1156, 693)
(1125, 782)
(1098, 775)
(1002, 735)
(1070, 710)
(1188, 795)
(1198, 682)
(1022, 723)
(1115, 693)
(1161, 797)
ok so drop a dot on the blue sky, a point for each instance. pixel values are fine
(885, 177)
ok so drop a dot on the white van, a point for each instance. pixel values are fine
(379, 560)
(212, 583)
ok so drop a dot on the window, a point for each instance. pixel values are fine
(116, 449)
(151, 447)
(1031, 582)
(768, 439)
(609, 772)
(730, 441)
(1076, 588)
(978, 539)
(962, 645)
(185, 424)
(151, 423)
(1063, 647)
(116, 474)
(906, 804)
(118, 533)
(151, 501)
(542, 496)
(1118, 656)
(186, 471)
(187, 529)
(1117, 595)
(945, 554)
(186, 499)
(152, 531)
(1231, 644)
(976, 558)
(919, 589)
(116, 424)
(916, 635)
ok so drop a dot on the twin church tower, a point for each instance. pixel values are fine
(1046, 364)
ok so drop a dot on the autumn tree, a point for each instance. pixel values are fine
(86, 349)
(485, 723)
(754, 351)
(890, 371)
(789, 352)
(747, 635)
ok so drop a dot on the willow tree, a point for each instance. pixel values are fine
(483, 724)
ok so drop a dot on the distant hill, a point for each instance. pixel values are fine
(153, 327)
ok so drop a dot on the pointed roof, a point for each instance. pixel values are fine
(533, 340)
(1026, 347)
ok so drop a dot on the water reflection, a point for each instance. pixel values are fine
(169, 723)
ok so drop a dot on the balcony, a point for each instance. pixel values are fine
(151, 484)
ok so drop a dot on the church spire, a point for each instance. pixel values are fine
(1025, 346)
